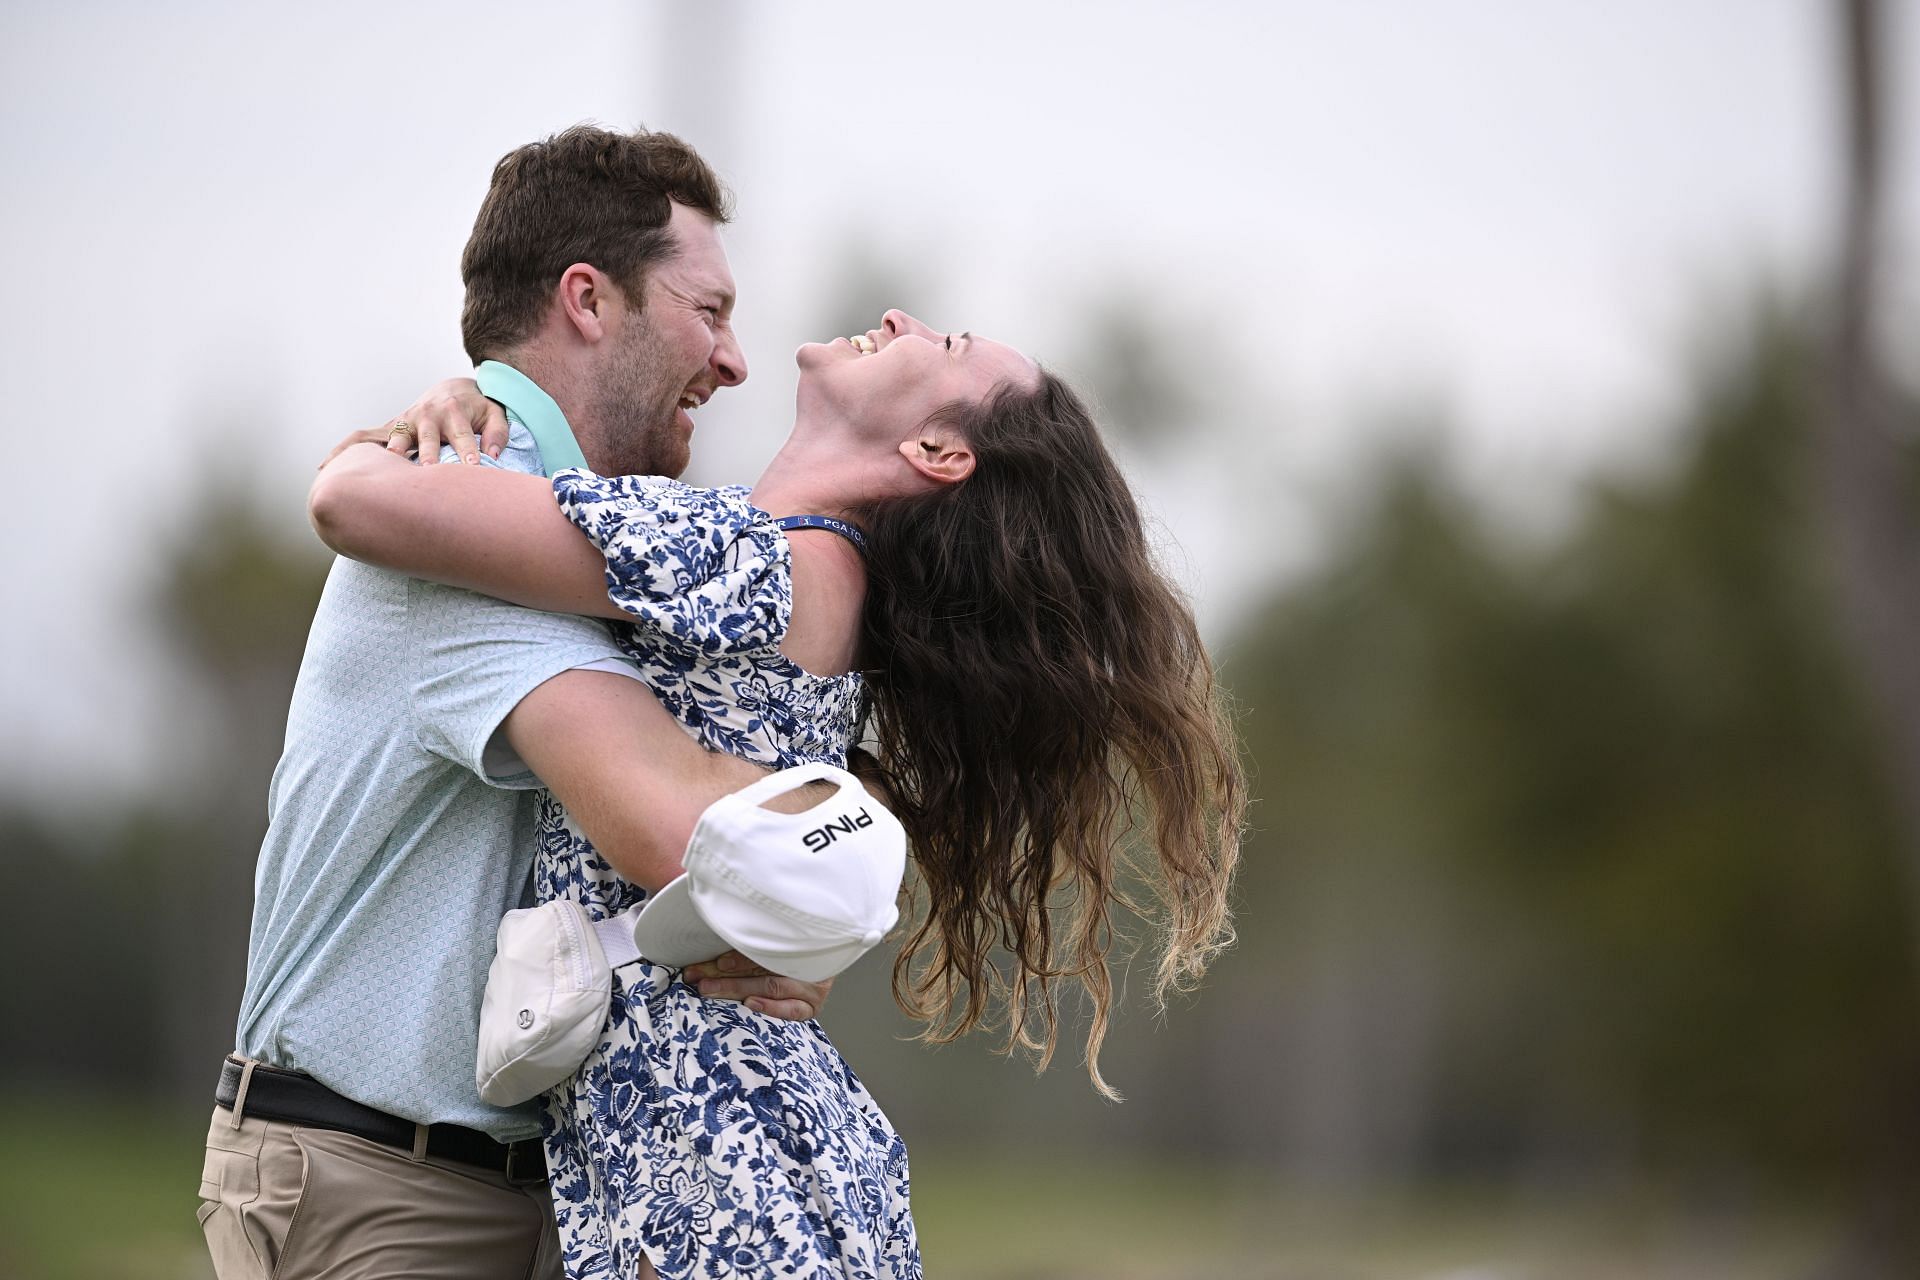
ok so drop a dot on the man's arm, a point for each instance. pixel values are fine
(636, 783)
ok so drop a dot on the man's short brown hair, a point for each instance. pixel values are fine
(586, 195)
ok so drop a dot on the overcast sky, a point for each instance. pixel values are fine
(236, 227)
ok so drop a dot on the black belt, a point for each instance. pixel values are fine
(289, 1096)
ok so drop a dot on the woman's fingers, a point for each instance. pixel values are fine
(401, 437)
(448, 425)
(454, 413)
(493, 436)
(429, 431)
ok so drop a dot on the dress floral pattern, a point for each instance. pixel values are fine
(716, 1141)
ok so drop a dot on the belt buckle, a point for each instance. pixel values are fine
(528, 1152)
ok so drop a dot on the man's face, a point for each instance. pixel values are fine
(902, 372)
(668, 356)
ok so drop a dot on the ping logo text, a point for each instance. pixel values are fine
(847, 823)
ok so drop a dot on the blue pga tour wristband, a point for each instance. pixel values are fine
(850, 532)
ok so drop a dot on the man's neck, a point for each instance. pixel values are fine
(568, 387)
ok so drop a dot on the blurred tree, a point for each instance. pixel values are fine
(1596, 838)
(1140, 366)
(148, 927)
(1866, 432)
(237, 599)
(85, 915)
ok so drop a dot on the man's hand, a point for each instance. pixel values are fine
(734, 977)
(636, 783)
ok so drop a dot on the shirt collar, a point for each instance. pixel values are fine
(536, 411)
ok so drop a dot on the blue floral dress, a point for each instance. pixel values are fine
(714, 1140)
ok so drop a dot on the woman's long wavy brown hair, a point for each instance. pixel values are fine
(1048, 730)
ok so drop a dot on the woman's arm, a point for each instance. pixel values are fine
(488, 530)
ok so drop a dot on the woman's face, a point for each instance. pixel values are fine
(889, 380)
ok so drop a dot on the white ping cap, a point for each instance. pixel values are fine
(801, 894)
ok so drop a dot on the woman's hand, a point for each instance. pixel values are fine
(734, 977)
(449, 413)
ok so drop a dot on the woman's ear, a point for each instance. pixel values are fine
(939, 454)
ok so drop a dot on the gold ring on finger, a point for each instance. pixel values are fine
(401, 428)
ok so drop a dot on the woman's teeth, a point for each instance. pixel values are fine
(863, 344)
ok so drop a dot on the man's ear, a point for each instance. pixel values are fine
(938, 453)
(585, 294)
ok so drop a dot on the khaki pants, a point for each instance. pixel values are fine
(283, 1202)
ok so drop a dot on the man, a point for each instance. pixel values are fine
(349, 1137)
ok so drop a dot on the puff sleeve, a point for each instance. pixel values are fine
(704, 569)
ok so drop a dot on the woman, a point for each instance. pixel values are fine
(1044, 725)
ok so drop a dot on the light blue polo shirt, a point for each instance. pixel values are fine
(389, 855)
